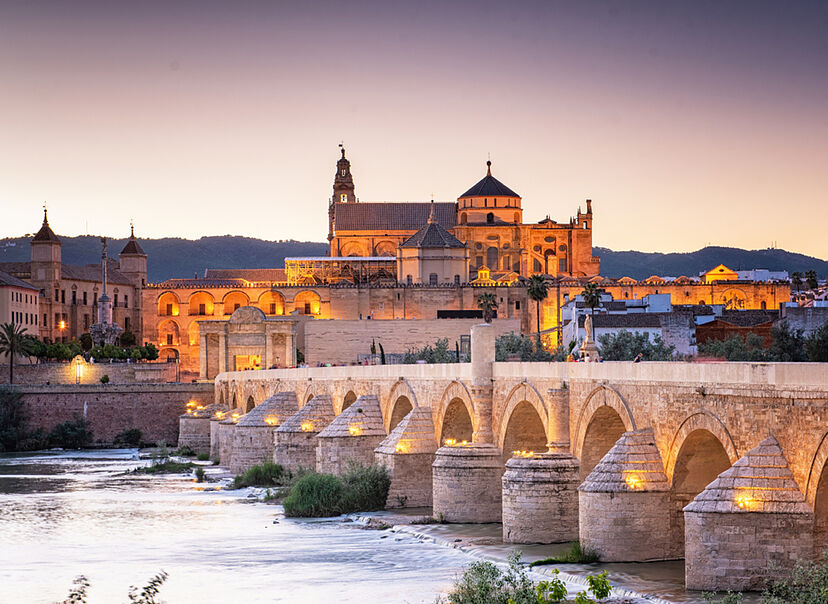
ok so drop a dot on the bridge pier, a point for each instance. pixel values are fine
(540, 499)
(194, 428)
(225, 438)
(253, 435)
(408, 453)
(215, 423)
(749, 525)
(624, 512)
(351, 437)
(294, 442)
(466, 483)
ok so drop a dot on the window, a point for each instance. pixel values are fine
(457, 279)
(45, 320)
(115, 304)
(495, 202)
(308, 306)
(236, 306)
(485, 203)
(344, 197)
(764, 305)
(86, 321)
(202, 308)
(95, 299)
(585, 224)
(562, 265)
(126, 323)
(272, 308)
(84, 298)
(74, 297)
(168, 310)
(408, 279)
(343, 172)
(489, 217)
(57, 295)
(63, 296)
(170, 336)
(126, 301)
(517, 304)
(432, 279)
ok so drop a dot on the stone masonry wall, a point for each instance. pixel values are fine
(194, 432)
(411, 484)
(333, 454)
(252, 445)
(111, 408)
(63, 373)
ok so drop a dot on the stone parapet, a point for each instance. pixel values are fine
(747, 526)
(351, 437)
(408, 453)
(540, 499)
(466, 483)
(294, 442)
(624, 503)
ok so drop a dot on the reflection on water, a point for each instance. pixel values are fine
(65, 514)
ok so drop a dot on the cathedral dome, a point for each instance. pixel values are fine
(489, 186)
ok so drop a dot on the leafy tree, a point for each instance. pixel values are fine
(788, 345)
(86, 342)
(75, 348)
(811, 279)
(526, 347)
(537, 289)
(816, 345)
(150, 352)
(14, 342)
(592, 296)
(135, 354)
(439, 353)
(382, 354)
(127, 339)
(38, 348)
(488, 304)
(796, 280)
(736, 348)
(58, 351)
(625, 346)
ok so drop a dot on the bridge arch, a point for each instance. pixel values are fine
(603, 419)
(347, 400)
(703, 420)
(399, 403)
(251, 403)
(816, 494)
(455, 417)
(524, 425)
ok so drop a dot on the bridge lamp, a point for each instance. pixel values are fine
(634, 482)
(271, 421)
(307, 427)
(354, 430)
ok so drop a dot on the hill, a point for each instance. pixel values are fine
(175, 257)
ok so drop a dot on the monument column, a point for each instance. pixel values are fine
(482, 359)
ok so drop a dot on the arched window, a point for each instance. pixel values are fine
(463, 218)
(490, 217)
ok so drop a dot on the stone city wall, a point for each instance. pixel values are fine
(111, 408)
(91, 373)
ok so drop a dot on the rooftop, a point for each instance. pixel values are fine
(489, 186)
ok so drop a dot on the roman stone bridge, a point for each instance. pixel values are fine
(641, 439)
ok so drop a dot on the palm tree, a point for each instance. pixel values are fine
(811, 279)
(592, 296)
(536, 288)
(14, 341)
(488, 304)
(796, 280)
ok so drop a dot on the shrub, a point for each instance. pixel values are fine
(574, 555)
(105, 378)
(268, 474)
(74, 434)
(199, 474)
(12, 419)
(313, 496)
(366, 488)
(807, 583)
(203, 456)
(185, 451)
(130, 437)
(166, 467)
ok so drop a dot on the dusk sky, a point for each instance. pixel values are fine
(687, 124)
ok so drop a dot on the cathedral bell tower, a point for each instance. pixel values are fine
(343, 189)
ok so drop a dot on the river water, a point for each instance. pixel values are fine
(63, 514)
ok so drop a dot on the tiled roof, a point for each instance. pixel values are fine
(46, 233)
(132, 247)
(198, 283)
(631, 320)
(414, 434)
(16, 268)
(7, 280)
(92, 272)
(489, 186)
(316, 414)
(432, 235)
(748, 318)
(248, 274)
(392, 216)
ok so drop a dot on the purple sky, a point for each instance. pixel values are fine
(687, 124)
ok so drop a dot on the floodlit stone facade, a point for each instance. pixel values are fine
(294, 442)
(351, 437)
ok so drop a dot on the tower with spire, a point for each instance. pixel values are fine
(343, 189)
(46, 257)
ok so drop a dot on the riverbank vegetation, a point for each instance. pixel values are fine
(15, 434)
(574, 555)
(484, 582)
(360, 489)
(145, 595)
(266, 475)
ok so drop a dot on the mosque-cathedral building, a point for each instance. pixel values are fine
(405, 274)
